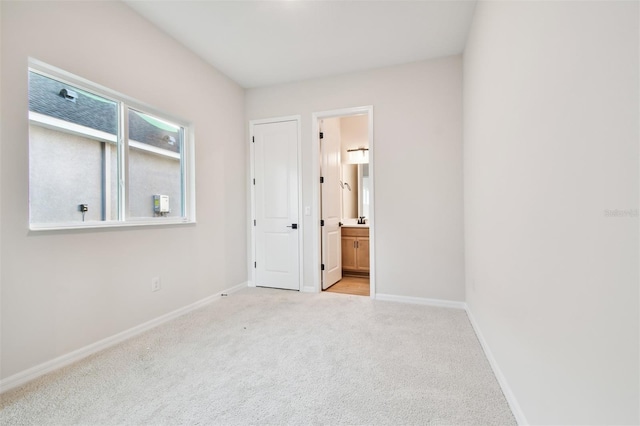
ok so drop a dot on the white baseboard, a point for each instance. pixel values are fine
(308, 289)
(421, 301)
(71, 357)
(502, 381)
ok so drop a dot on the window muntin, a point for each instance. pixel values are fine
(78, 155)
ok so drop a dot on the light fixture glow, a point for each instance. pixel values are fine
(358, 156)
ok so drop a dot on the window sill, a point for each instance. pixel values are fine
(108, 225)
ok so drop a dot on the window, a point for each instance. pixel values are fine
(97, 158)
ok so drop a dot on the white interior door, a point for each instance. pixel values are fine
(276, 205)
(331, 194)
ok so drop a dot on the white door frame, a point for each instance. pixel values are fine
(315, 161)
(252, 230)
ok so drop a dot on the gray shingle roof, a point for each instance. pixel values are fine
(94, 112)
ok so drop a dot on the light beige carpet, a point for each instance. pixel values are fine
(263, 356)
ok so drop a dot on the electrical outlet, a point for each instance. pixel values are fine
(155, 284)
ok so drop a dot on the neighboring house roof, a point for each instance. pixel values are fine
(96, 112)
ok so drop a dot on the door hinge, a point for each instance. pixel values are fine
(322, 266)
(322, 222)
(321, 135)
(321, 179)
(255, 264)
(254, 222)
(254, 181)
(253, 139)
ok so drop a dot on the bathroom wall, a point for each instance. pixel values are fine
(354, 134)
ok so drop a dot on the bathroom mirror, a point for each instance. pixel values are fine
(355, 191)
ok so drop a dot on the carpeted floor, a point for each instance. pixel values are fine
(263, 356)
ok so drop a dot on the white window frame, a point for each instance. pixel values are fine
(124, 103)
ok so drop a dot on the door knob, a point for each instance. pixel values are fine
(293, 226)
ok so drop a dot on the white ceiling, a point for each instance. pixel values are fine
(261, 43)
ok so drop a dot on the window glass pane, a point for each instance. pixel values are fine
(76, 155)
(155, 167)
(72, 153)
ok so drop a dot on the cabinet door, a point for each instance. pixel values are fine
(349, 253)
(362, 254)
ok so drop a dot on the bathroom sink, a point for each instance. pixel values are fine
(355, 225)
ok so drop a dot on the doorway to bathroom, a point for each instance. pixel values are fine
(345, 200)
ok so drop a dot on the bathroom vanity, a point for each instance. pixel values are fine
(355, 250)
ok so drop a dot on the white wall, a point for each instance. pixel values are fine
(418, 167)
(64, 290)
(551, 144)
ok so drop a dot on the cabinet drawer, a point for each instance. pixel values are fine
(355, 232)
